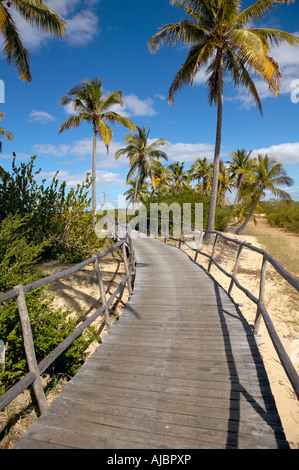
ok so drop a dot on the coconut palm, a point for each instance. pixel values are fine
(4, 133)
(178, 177)
(142, 193)
(241, 167)
(202, 171)
(37, 14)
(222, 42)
(160, 177)
(268, 175)
(142, 155)
(225, 181)
(94, 107)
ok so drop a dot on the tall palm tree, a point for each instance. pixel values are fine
(142, 155)
(142, 193)
(241, 167)
(267, 175)
(37, 14)
(222, 40)
(178, 177)
(94, 107)
(160, 178)
(202, 171)
(3, 132)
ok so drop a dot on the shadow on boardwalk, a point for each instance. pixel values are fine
(180, 369)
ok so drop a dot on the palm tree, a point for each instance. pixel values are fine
(160, 178)
(202, 171)
(37, 14)
(241, 168)
(142, 156)
(3, 132)
(225, 181)
(267, 175)
(94, 107)
(142, 193)
(178, 177)
(221, 40)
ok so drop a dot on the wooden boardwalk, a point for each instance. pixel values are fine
(181, 369)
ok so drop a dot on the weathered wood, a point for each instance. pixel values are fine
(213, 252)
(281, 352)
(29, 349)
(180, 368)
(261, 296)
(103, 294)
(235, 268)
(16, 389)
(124, 251)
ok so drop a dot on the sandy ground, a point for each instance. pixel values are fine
(281, 301)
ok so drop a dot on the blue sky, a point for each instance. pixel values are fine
(108, 39)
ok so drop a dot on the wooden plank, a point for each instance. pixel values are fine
(172, 373)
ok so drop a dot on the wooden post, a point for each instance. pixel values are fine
(235, 269)
(29, 349)
(181, 235)
(213, 252)
(103, 293)
(132, 252)
(126, 267)
(261, 296)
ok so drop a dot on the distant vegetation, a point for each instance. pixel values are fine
(284, 214)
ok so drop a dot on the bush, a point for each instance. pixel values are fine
(284, 214)
(192, 196)
(50, 326)
(55, 219)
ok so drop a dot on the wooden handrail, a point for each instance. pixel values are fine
(36, 370)
(261, 309)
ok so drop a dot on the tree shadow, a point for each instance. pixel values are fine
(239, 389)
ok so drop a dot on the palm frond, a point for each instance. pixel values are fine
(41, 16)
(13, 47)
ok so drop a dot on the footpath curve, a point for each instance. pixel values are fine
(180, 369)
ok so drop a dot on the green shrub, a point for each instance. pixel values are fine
(53, 218)
(284, 214)
(50, 326)
(193, 197)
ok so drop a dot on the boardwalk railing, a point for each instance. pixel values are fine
(261, 309)
(33, 377)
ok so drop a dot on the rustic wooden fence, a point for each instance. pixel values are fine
(33, 377)
(266, 260)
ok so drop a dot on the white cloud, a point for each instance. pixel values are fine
(103, 178)
(134, 106)
(51, 150)
(81, 24)
(82, 149)
(81, 28)
(184, 152)
(286, 153)
(41, 116)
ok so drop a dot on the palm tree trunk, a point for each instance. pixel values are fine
(242, 227)
(93, 175)
(136, 187)
(212, 208)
